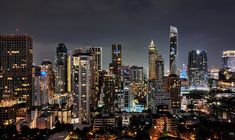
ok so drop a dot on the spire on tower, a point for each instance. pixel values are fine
(152, 44)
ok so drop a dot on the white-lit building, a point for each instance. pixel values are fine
(228, 59)
(82, 71)
(197, 68)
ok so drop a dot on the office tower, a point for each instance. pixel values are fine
(197, 67)
(109, 92)
(228, 59)
(137, 74)
(114, 68)
(152, 61)
(173, 50)
(159, 73)
(82, 69)
(116, 57)
(125, 89)
(61, 69)
(47, 82)
(16, 67)
(69, 72)
(98, 57)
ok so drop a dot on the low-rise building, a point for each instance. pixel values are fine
(104, 121)
(46, 121)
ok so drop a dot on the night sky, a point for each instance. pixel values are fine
(202, 24)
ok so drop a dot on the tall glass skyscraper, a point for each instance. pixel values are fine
(173, 50)
(228, 59)
(61, 68)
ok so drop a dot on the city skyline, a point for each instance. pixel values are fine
(86, 24)
(120, 69)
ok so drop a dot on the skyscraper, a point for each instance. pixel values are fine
(36, 95)
(152, 61)
(172, 83)
(97, 61)
(69, 72)
(82, 70)
(160, 72)
(114, 68)
(109, 92)
(116, 58)
(98, 57)
(16, 67)
(173, 50)
(152, 88)
(197, 67)
(47, 82)
(61, 69)
(228, 59)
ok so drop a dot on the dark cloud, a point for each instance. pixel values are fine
(202, 24)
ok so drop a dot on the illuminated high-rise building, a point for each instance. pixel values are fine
(173, 50)
(137, 85)
(173, 84)
(82, 70)
(114, 68)
(109, 92)
(61, 69)
(36, 95)
(16, 67)
(197, 68)
(124, 94)
(152, 61)
(228, 59)
(137, 74)
(159, 73)
(98, 57)
(69, 72)
(43, 83)
(152, 88)
(47, 82)
(116, 58)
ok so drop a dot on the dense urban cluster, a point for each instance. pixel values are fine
(75, 98)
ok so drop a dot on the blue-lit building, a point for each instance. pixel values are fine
(44, 83)
(184, 89)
